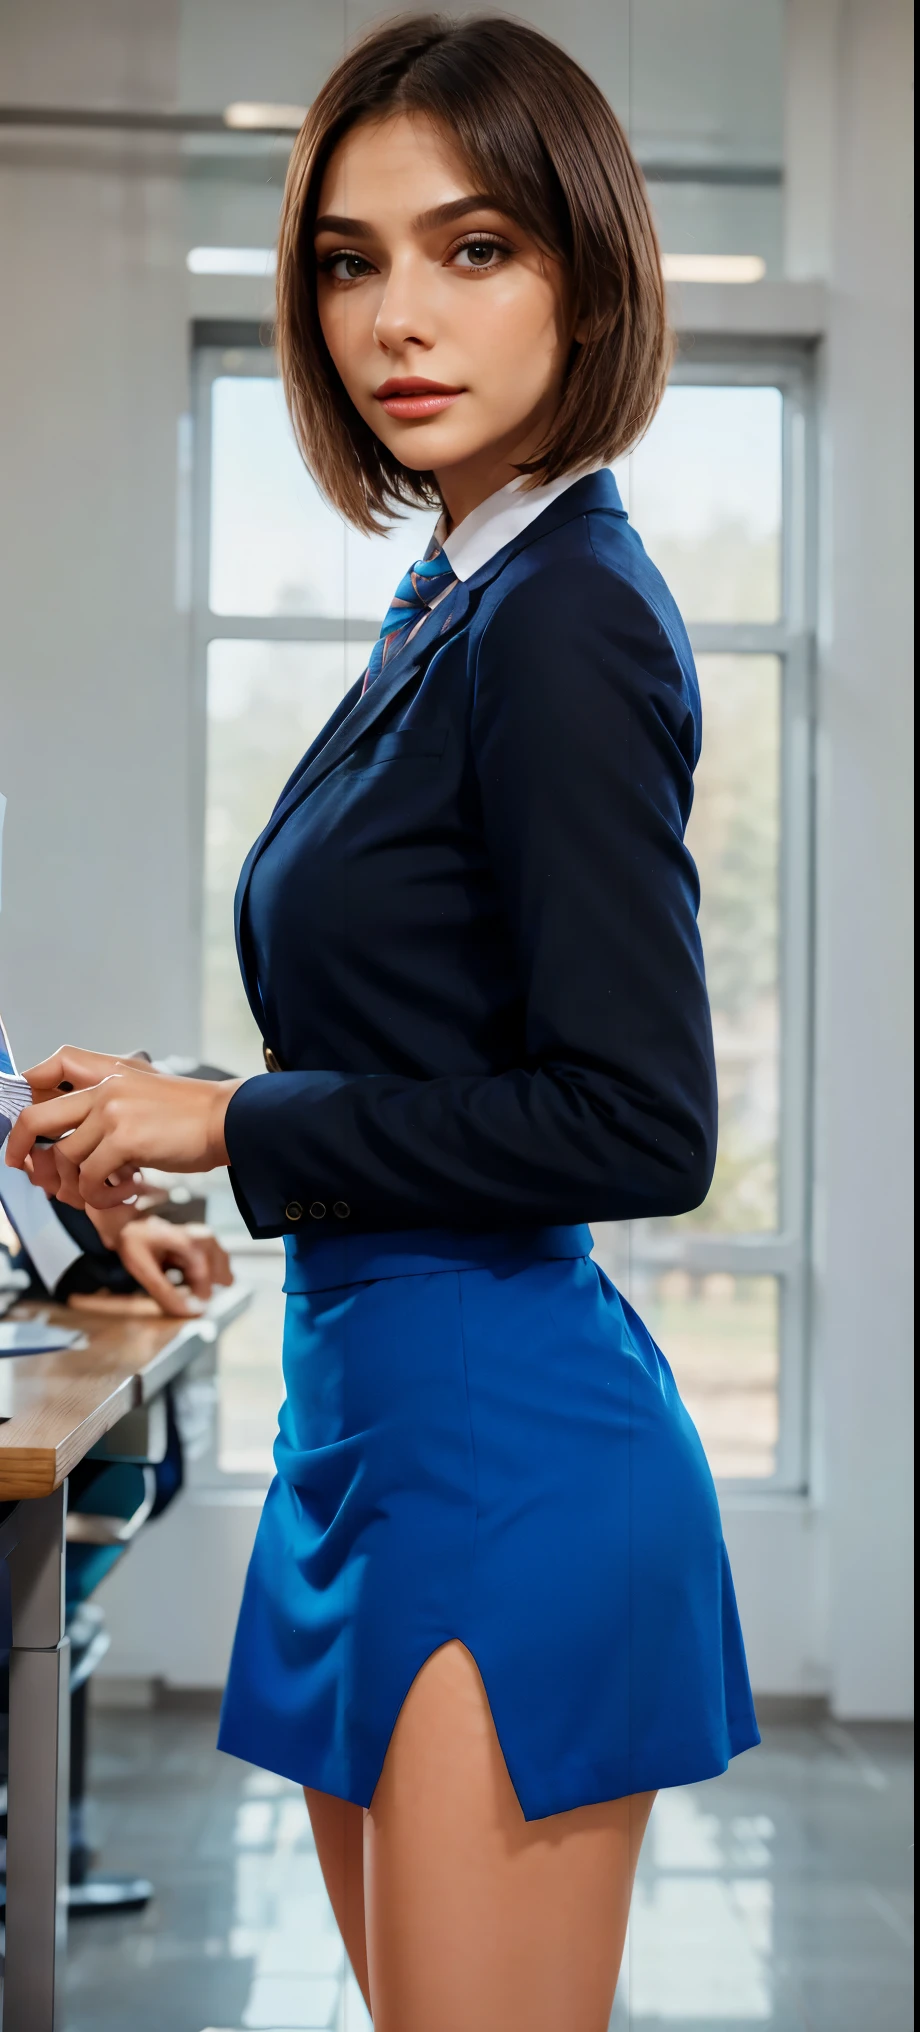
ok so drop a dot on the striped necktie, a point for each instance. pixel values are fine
(424, 586)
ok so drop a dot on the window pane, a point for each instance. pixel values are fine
(251, 1385)
(276, 545)
(720, 1335)
(734, 836)
(704, 490)
(266, 702)
(721, 1332)
(276, 548)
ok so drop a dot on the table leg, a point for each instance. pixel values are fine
(36, 1883)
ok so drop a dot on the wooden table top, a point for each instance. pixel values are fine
(57, 1406)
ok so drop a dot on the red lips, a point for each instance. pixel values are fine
(411, 396)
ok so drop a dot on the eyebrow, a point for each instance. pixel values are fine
(426, 222)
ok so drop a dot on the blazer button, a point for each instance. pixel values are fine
(271, 1061)
(317, 1210)
(341, 1209)
(293, 1210)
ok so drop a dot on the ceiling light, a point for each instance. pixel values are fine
(713, 267)
(258, 113)
(231, 261)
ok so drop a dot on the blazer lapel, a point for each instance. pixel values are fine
(336, 741)
(350, 722)
(284, 803)
(358, 711)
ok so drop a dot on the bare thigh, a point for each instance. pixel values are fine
(338, 1831)
(477, 1920)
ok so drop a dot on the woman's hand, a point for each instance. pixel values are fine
(72, 1067)
(110, 1225)
(149, 1246)
(110, 1124)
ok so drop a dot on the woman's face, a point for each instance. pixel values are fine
(448, 325)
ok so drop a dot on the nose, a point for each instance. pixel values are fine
(404, 315)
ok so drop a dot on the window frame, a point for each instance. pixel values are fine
(786, 1251)
(783, 1252)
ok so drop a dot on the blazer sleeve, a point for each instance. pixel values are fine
(584, 737)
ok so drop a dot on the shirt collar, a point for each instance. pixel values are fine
(497, 521)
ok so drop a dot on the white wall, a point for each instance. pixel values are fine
(864, 1054)
(98, 933)
(95, 937)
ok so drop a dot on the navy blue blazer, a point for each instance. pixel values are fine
(468, 931)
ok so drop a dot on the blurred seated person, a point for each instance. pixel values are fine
(136, 1253)
(78, 1254)
(122, 1252)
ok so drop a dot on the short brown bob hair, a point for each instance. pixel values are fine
(540, 137)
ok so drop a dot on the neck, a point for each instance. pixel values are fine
(471, 481)
(462, 490)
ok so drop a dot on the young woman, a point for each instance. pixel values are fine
(489, 1610)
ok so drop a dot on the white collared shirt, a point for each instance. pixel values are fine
(498, 521)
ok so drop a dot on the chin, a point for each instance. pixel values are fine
(425, 448)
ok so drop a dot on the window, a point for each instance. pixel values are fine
(718, 493)
(287, 602)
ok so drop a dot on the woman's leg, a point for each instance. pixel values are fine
(338, 1831)
(477, 1920)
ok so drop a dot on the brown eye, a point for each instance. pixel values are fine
(478, 254)
(347, 267)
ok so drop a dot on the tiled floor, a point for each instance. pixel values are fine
(775, 1897)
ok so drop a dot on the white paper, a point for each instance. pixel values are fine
(15, 1093)
(43, 1236)
(33, 1337)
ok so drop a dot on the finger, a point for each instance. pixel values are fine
(50, 1118)
(69, 1067)
(41, 1168)
(107, 1117)
(102, 1125)
(138, 1257)
(121, 1185)
(196, 1269)
(185, 1252)
(218, 1261)
(79, 1143)
(68, 1188)
(99, 1194)
(105, 1145)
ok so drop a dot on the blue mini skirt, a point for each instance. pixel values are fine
(480, 1440)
